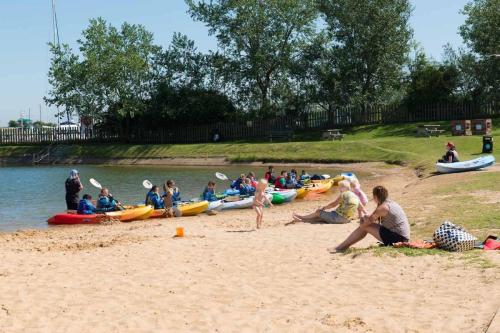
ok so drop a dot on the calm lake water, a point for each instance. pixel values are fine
(30, 195)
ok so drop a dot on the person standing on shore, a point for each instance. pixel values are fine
(73, 186)
(260, 200)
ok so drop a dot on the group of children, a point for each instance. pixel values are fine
(105, 203)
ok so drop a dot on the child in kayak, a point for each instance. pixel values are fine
(281, 180)
(106, 202)
(153, 198)
(260, 200)
(270, 175)
(85, 206)
(246, 188)
(253, 181)
(209, 192)
(169, 186)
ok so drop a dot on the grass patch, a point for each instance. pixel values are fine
(394, 144)
(477, 259)
(390, 251)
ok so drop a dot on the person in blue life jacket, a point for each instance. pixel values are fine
(169, 187)
(247, 188)
(85, 206)
(304, 175)
(154, 199)
(236, 185)
(106, 202)
(209, 192)
(294, 174)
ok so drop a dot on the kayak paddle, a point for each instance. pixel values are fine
(147, 184)
(221, 176)
(95, 183)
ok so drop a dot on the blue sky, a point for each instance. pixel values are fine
(25, 29)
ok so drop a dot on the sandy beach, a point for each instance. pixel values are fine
(226, 277)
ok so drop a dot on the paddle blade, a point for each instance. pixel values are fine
(221, 176)
(327, 176)
(95, 183)
(147, 184)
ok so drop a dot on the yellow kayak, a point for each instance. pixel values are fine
(133, 214)
(192, 209)
(301, 193)
(319, 187)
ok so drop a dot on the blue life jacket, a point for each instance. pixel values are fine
(209, 195)
(236, 184)
(106, 204)
(85, 207)
(153, 199)
(247, 190)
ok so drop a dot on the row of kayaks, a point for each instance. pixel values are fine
(138, 213)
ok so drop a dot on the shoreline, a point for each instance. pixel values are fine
(190, 161)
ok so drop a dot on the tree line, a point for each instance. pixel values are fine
(273, 57)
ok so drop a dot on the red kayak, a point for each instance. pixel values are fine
(65, 218)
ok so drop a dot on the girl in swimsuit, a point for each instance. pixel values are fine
(259, 200)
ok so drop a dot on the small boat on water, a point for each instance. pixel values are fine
(471, 165)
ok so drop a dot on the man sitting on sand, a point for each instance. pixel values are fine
(393, 227)
(347, 203)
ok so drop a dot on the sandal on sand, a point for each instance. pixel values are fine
(334, 250)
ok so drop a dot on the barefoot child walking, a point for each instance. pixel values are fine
(259, 200)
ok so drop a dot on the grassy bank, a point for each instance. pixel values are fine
(389, 143)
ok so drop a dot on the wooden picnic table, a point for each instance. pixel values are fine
(333, 134)
(429, 130)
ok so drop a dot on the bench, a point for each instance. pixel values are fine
(332, 134)
(429, 130)
(281, 134)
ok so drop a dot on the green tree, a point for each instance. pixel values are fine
(112, 78)
(13, 123)
(481, 33)
(369, 46)
(257, 41)
(430, 82)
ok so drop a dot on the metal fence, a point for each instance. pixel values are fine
(258, 128)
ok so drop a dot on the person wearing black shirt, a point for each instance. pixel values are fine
(73, 187)
(451, 155)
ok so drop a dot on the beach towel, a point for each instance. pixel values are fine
(453, 238)
(418, 244)
(491, 244)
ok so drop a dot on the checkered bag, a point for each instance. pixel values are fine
(453, 238)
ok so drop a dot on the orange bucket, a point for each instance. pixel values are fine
(179, 232)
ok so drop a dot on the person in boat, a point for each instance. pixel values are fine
(304, 176)
(170, 186)
(246, 188)
(388, 223)
(269, 176)
(73, 186)
(238, 183)
(290, 182)
(106, 202)
(293, 174)
(253, 180)
(169, 197)
(209, 192)
(451, 155)
(154, 199)
(346, 206)
(85, 206)
(281, 180)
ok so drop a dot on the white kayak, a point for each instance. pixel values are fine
(475, 164)
(215, 205)
(241, 204)
(288, 195)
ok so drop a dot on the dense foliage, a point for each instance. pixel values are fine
(273, 57)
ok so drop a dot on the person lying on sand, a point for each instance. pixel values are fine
(347, 203)
(393, 227)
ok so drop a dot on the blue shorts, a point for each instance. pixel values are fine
(333, 217)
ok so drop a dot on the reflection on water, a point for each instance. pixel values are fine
(30, 195)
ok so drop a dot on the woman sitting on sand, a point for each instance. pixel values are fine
(347, 203)
(451, 155)
(393, 226)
